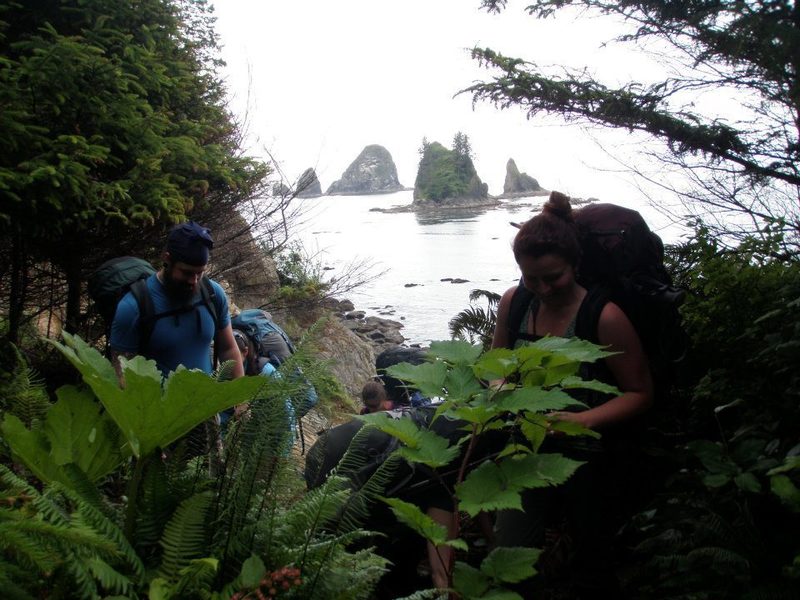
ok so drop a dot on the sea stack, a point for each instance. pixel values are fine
(372, 172)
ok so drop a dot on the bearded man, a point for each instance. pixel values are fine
(189, 310)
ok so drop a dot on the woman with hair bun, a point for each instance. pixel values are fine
(548, 253)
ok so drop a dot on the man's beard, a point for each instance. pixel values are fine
(178, 291)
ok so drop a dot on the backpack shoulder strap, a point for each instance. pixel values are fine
(520, 301)
(208, 295)
(147, 311)
(588, 317)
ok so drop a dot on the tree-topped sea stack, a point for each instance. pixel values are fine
(519, 184)
(372, 172)
(448, 177)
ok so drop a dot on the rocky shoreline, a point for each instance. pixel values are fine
(380, 333)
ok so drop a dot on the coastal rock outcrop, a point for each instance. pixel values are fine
(350, 359)
(372, 172)
(448, 177)
(238, 261)
(519, 184)
(308, 185)
(378, 332)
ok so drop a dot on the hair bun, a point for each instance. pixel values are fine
(558, 205)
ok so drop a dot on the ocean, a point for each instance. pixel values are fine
(413, 257)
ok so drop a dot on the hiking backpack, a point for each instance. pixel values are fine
(109, 283)
(273, 344)
(622, 261)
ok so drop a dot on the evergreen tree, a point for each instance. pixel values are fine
(114, 127)
(747, 51)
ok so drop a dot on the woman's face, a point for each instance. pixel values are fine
(551, 278)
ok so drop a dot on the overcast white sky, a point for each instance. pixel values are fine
(316, 80)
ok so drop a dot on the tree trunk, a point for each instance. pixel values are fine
(72, 269)
(16, 300)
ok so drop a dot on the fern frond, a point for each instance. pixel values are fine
(359, 506)
(11, 589)
(225, 371)
(29, 552)
(253, 464)
(719, 559)
(99, 522)
(22, 391)
(184, 537)
(431, 594)
(156, 504)
(196, 579)
(347, 575)
(111, 579)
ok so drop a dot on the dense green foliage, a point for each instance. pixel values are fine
(729, 500)
(447, 175)
(114, 127)
(743, 163)
(531, 383)
(171, 522)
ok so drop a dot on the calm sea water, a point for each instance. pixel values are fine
(416, 253)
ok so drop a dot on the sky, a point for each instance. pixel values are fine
(314, 81)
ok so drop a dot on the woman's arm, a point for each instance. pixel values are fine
(629, 367)
(500, 337)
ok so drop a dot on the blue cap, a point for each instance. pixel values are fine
(190, 243)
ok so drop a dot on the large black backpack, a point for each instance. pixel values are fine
(114, 278)
(622, 261)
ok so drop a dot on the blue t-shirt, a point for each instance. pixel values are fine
(182, 339)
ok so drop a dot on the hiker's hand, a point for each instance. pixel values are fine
(240, 410)
(575, 417)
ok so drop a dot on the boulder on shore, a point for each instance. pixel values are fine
(372, 172)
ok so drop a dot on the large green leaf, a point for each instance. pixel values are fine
(495, 486)
(569, 383)
(420, 445)
(148, 415)
(469, 581)
(462, 384)
(536, 399)
(573, 349)
(428, 378)
(554, 374)
(487, 488)
(411, 515)
(404, 430)
(75, 431)
(573, 428)
(499, 363)
(510, 565)
(456, 352)
(32, 448)
(430, 449)
(713, 458)
(537, 470)
(253, 571)
(80, 432)
(479, 414)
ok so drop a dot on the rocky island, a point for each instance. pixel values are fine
(447, 178)
(518, 184)
(306, 186)
(372, 172)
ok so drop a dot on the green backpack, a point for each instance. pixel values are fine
(118, 276)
